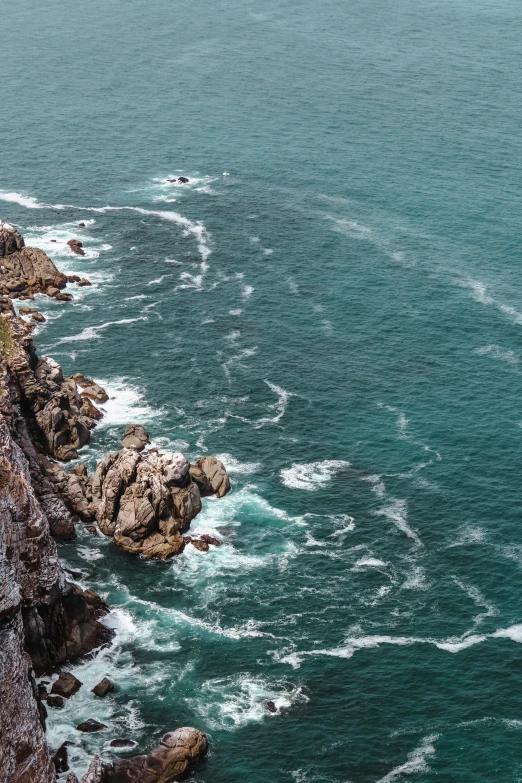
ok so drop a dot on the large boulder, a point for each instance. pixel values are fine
(146, 500)
(215, 473)
(172, 760)
(135, 437)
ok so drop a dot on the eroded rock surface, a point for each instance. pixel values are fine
(146, 500)
(178, 752)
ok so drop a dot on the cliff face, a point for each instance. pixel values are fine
(44, 621)
(28, 572)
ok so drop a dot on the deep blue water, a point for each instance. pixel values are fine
(340, 317)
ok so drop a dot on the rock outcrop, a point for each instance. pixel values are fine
(25, 271)
(172, 760)
(146, 500)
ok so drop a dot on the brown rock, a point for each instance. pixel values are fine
(36, 316)
(73, 278)
(104, 687)
(71, 778)
(83, 282)
(172, 760)
(199, 544)
(91, 725)
(52, 291)
(76, 246)
(210, 540)
(66, 685)
(135, 437)
(215, 472)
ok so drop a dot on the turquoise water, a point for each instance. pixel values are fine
(340, 316)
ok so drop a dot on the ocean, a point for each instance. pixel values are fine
(332, 305)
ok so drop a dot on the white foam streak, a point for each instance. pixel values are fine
(312, 476)
(417, 760)
(91, 332)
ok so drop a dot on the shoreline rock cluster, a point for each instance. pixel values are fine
(144, 499)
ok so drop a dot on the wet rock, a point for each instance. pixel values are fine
(173, 759)
(66, 685)
(81, 225)
(122, 743)
(271, 706)
(52, 290)
(61, 297)
(83, 282)
(135, 437)
(183, 180)
(104, 687)
(76, 247)
(90, 726)
(60, 760)
(71, 778)
(202, 546)
(42, 691)
(55, 701)
(210, 540)
(38, 317)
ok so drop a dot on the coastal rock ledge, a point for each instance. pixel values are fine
(172, 760)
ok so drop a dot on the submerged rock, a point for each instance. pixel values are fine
(55, 701)
(122, 743)
(90, 726)
(271, 706)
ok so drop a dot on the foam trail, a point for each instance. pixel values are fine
(396, 512)
(26, 201)
(279, 407)
(91, 332)
(416, 760)
(312, 475)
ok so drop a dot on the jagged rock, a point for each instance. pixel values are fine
(10, 240)
(178, 752)
(91, 725)
(99, 772)
(90, 388)
(104, 687)
(210, 540)
(147, 500)
(135, 437)
(73, 278)
(76, 246)
(55, 701)
(199, 544)
(90, 411)
(29, 267)
(214, 471)
(60, 760)
(71, 778)
(42, 691)
(66, 685)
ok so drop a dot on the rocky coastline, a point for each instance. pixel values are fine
(143, 499)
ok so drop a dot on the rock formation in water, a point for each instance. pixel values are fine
(146, 500)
